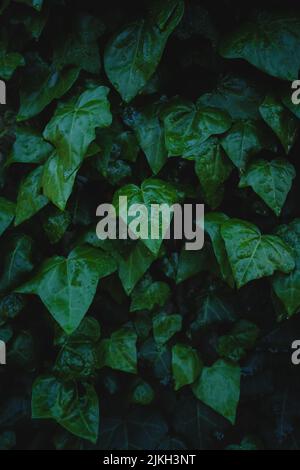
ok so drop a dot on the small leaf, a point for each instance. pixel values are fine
(7, 214)
(30, 200)
(253, 255)
(9, 61)
(271, 180)
(119, 351)
(165, 326)
(244, 140)
(242, 337)
(281, 120)
(57, 400)
(41, 85)
(287, 286)
(186, 365)
(219, 387)
(212, 168)
(17, 261)
(29, 147)
(188, 125)
(56, 186)
(67, 286)
(133, 267)
(148, 294)
(151, 137)
(213, 223)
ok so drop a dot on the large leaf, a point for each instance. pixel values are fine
(271, 180)
(219, 387)
(72, 128)
(281, 120)
(41, 85)
(61, 401)
(30, 200)
(287, 286)
(119, 351)
(269, 41)
(245, 139)
(67, 285)
(253, 255)
(7, 214)
(188, 125)
(132, 56)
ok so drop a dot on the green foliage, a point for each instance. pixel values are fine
(141, 344)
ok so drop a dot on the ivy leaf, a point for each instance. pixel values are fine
(61, 401)
(152, 191)
(30, 200)
(253, 255)
(212, 168)
(186, 365)
(55, 224)
(133, 267)
(219, 387)
(287, 286)
(17, 262)
(271, 180)
(29, 147)
(239, 96)
(131, 58)
(56, 186)
(7, 214)
(191, 263)
(149, 294)
(245, 139)
(41, 85)
(269, 41)
(9, 62)
(159, 358)
(188, 125)
(213, 223)
(119, 351)
(213, 311)
(281, 121)
(81, 48)
(67, 286)
(140, 429)
(151, 137)
(72, 128)
(242, 337)
(165, 326)
(78, 359)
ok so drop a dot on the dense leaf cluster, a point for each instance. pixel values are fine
(141, 344)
